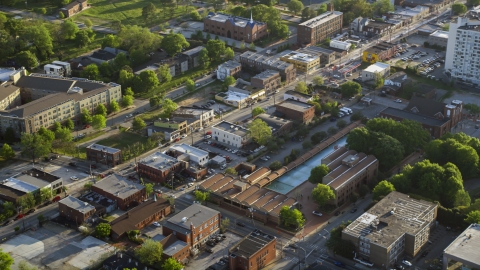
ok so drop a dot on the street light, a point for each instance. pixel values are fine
(305, 258)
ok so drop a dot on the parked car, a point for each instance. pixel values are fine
(353, 210)
(339, 264)
(31, 211)
(295, 246)
(73, 164)
(74, 178)
(240, 224)
(407, 263)
(317, 213)
(398, 100)
(209, 250)
(156, 224)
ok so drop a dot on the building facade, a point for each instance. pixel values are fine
(438, 38)
(230, 134)
(9, 96)
(261, 62)
(296, 110)
(126, 193)
(379, 52)
(374, 71)
(253, 252)
(74, 7)
(75, 209)
(159, 167)
(397, 226)
(234, 27)
(104, 155)
(301, 61)
(291, 94)
(229, 68)
(315, 30)
(269, 80)
(205, 116)
(196, 155)
(464, 249)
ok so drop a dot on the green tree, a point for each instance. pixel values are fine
(63, 135)
(127, 101)
(149, 11)
(473, 217)
(57, 126)
(317, 173)
(260, 131)
(446, 27)
(382, 189)
(7, 152)
(190, 85)
(91, 72)
(5, 260)
(341, 123)
(229, 54)
(82, 38)
(164, 73)
(172, 264)
(203, 58)
(388, 150)
(459, 8)
(275, 165)
(86, 116)
(383, 6)
(9, 135)
(146, 81)
(34, 145)
(216, 49)
(174, 43)
(473, 2)
(114, 107)
(379, 80)
(40, 38)
(291, 217)
(155, 101)
(111, 41)
(301, 87)
(102, 230)
(148, 188)
(350, 89)
(47, 134)
(24, 265)
(321, 194)
(138, 123)
(318, 137)
(201, 196)
(101, 109)
(256, 111)
(308, 13)
(69, 124)
(136, 38)
(195, 15)
(224, 224)
(69, 29)
(317, 80)
(322, 9)
(26, 59)
(295, 6)
(99, 122)
(46, 194)
(88, 23)
(169, 106)
(229, 80)
(359, 140)
(231, 171)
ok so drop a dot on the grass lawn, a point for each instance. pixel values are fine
(128, 12)
(91, 136)
(122, 140)
(69, 49)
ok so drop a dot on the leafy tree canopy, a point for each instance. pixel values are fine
(321, 194)
(317, 173)
(150, 252)
(256, 111)
(260, 131)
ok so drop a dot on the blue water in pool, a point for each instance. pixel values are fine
(300, 174)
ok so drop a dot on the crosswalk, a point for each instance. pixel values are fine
(313, 246)
(295, 260)
(322, 258)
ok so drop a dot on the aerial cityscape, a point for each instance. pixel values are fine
(240, 135)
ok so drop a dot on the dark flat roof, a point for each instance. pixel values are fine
(42, 175)
(10, 192)
(415, 117)
(251, 244)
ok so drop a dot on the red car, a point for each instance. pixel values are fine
(208, 133)
(18, 217)
(56, 199)
(177, 139)
(86, 126)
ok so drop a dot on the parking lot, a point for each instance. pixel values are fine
(231, 154)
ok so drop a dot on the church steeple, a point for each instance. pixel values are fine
(251, 16)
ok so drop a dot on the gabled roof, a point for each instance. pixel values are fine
(427, 107)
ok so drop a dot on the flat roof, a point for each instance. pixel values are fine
(377, 67)
(266, 74)
(440, 34)
(118, 186)
(191, 111)
(251, 244)
(297, 94)
(231, 95)
(20, 185)
(273, 121)
(5, 73)
(6, 89)
(230, 64)
(393, 216)
(295, 105)
(272, 62)
(11, 192)
(238, 21)
(466, 246)
(159, 160)
(322, 18)
(77, 204)
(193, 51)
(42, 175)
(299, 56)
(423, 119)
(173, 248)
(103, 148)
(231, 128)
(195, 215)
(190, 150)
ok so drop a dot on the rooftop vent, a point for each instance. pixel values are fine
(184, 219)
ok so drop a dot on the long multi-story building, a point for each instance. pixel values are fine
(48, 99)
(234, 27)
(395, 227)
(261, 62)
(463, 48)
(315, 30)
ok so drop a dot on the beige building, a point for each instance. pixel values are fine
(301, 61)
(395, 227)
(9, 96)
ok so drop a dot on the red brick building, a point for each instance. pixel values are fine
(234, 27)
(193, 225)
(74, 7)
(253, 252)
(140, 216)
(296, 110)
(159, 167)
(75, 209)
(316, 30)
(104, 155)
(125, 193)
(269, 80)
(174, 248)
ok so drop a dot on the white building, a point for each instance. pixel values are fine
(290, 94)
(342, 45)
(66, 66)
(463, 58)
(230, 134)
(439, 38)
(229, 68)
(371, 71)
(54, 70)
(196, 155)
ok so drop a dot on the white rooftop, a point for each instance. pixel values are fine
(440, 34)
(324, 17)
(190, 150)
(377, 67)
(298, 56)
(466, 246)
(159, 160)
(19, 185)
(5, 73)
(103, 148)
(235, 96)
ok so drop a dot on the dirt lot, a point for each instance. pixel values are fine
(202, 95)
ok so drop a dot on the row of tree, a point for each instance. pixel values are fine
(353, 9)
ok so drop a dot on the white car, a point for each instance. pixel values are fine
(74, 178)
(407, 263)
(317, 213)
(208, 136)
(184, 136)
(398, 100)
(223, 166)
(156, 224)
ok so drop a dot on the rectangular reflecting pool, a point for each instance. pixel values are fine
(300, 174)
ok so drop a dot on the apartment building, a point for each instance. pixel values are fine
(397, 226)
(193, 225)
(463, 48)
(9, 96)
(349, 170)
(195, 155)
(301, 61)
(296, 110)
(254, 251)
(126, 193)
(75, 209)
(234, 27)
(230, 134)
(315, 30)
(269, 80)
(54, 99)
(229, 68)
(103, 154)
(261, 62)
(160, 167)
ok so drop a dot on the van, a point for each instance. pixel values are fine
(341, 114)
(345, 111)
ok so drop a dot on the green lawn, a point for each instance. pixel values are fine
(122, 140)
(91, 136)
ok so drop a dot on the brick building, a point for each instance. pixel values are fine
(253, 252)
(379, 52)
(140, 216)
(103, 154)
(159, 167)
(296, 110)
(234, 27)
(315, 30)
(261, 62)
(269, 80)
(193, 225)
(74, 7)
(173, 247)
(75, 209)
(278, 125)
(229, 68)
(125, 193)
